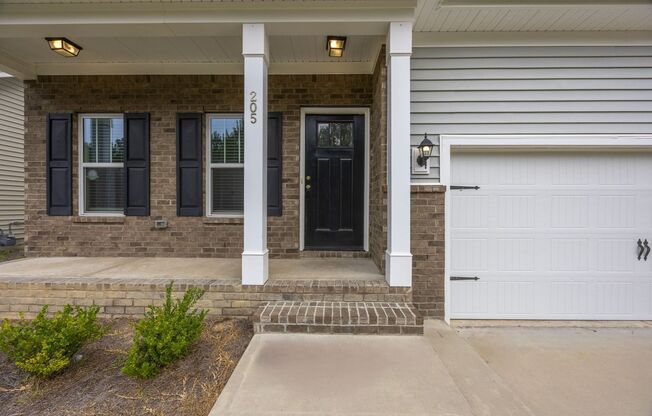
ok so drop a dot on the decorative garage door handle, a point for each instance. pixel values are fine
(464, 278)
(641, 249)
(647, 253)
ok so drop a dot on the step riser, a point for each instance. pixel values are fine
(338, 329)
(381, 318)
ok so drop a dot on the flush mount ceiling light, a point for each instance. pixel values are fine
(335, 45)
(64, 47)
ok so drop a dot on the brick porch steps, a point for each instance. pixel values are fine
(325, 317)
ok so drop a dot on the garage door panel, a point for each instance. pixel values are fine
(515, 254)
(615, 255)
(569, 211)
(471, 254)
(617, 211)
(471, 211)
(552, 236)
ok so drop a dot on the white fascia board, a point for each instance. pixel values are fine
(470, 39)
(15, 67)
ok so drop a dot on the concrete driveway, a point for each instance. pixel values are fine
(571, 371)
(470, 371)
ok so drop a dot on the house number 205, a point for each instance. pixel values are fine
(253, 107)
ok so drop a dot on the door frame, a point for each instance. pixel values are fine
(364, 111)
(550, 142)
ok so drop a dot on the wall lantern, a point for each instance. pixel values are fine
(335, 45)
(64, 47)
(425, 150)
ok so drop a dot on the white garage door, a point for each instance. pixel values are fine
(551, 235)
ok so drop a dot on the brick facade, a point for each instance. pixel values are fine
(427, 241)
(118, 297)
(163, 97)
(378, 164)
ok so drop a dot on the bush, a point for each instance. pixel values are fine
(45, 346)
(165, 334)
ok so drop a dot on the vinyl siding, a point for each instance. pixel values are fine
(534, 90)
(12, 189)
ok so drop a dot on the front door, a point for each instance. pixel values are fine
(334, 182)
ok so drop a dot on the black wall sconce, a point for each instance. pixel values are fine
(425, 150)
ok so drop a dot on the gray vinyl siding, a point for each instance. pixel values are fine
(533, 90)
(12, 188)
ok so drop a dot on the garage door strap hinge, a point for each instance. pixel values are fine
(460, 187)
(464, 278)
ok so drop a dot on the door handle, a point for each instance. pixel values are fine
(308, 187)
(464, 278)
(647, 253)
(641, 249)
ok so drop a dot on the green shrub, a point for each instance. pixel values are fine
(165, 334)
(45, 346)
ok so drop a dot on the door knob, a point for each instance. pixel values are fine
(308, 187)
(641, 249)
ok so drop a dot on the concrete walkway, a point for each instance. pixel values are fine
(448, 372)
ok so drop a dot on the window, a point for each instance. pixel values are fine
(225, 170)
(102, 164)
(335, 134)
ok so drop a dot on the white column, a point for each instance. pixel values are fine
(255, 50)
(398, 259)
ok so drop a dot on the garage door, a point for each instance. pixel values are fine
(551, 235)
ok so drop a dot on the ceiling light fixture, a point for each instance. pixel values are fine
(64, 47)
(335, 45)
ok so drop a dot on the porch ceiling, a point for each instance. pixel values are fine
(532, 15)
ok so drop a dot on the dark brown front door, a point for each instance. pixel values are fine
(334, 182)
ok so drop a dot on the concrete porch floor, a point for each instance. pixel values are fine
(188, 268)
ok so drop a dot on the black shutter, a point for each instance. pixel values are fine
(137, 164)
(59, 164)
(189, 158)
(274, 164)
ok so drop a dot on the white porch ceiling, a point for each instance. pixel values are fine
(190, 49)
(532, 16)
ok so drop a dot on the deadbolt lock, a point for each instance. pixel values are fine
(308, 178)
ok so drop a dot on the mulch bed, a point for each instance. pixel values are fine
(11, 253)
(95, 385)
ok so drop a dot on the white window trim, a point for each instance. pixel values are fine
(82, 165)
(210, 166)
(449, 143)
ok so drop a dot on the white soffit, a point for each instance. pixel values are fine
(532, 15)
(190, 55)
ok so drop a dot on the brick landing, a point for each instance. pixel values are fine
(381, 318)
(130, 296)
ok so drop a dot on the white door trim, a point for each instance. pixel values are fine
(516, 142)
(302, 167)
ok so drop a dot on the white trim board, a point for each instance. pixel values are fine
(447, 143)
(302, 166)
(80, 166)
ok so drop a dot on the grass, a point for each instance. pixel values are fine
(12, 253)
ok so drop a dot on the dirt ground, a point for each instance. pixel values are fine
(11, 253)
(95, 385)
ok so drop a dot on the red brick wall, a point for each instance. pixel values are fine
(377, 169)
(163, 97)
(427, 241)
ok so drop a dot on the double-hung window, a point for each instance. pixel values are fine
(225, 167)
(102, 164)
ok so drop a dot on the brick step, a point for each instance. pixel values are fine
(381, 318)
